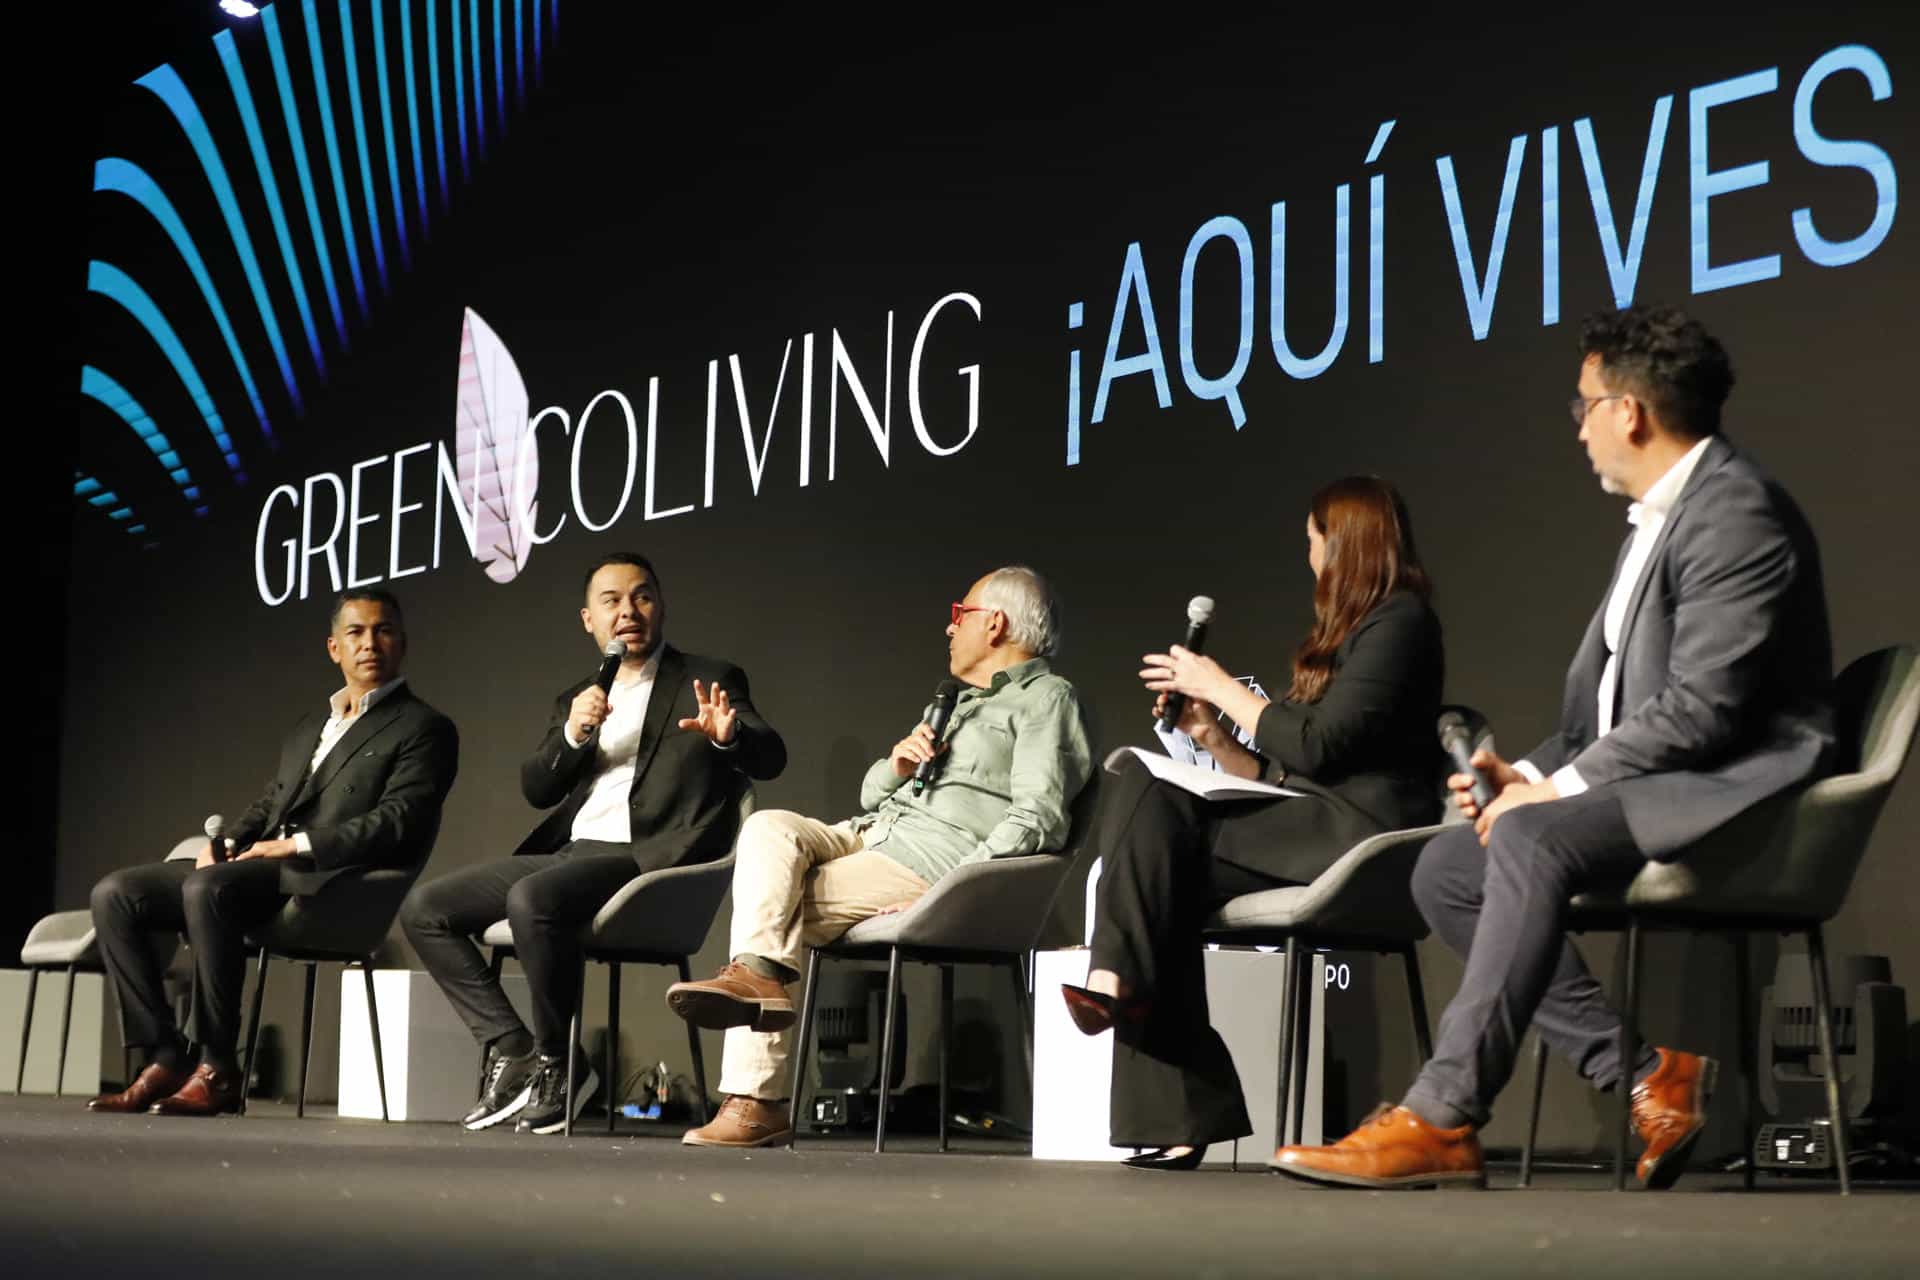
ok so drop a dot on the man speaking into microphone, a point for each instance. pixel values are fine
(1003, 775)
(642, 765)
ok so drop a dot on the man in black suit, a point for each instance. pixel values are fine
(358, 788)
(648, 776)
(1702, 687)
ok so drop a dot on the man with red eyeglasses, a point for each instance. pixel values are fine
(1013, 757)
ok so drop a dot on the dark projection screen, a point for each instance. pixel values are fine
(828, 319)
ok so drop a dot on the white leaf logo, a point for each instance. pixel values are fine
(497, 465)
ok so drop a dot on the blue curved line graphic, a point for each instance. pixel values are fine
(433, 86)
(499, 72)
(479, 79)
(263, 166)
(103, 499)
(413, 112)
(520, 51)
(539, 56)
(128, 179)
(386, 127)
(352, 64)
(99, 387)
(111, 282)
(165, 83)
(459, 78)
(324, 102)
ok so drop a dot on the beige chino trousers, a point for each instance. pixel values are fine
(797, 883)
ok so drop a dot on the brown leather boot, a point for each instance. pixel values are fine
(734, 997)
(743, 1122)
(152, 1084)
(1669, 1112)
(1393, 1148)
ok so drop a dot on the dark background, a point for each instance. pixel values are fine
(681, 190)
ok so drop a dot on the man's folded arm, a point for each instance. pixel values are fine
(1052, 760)
(417, 783)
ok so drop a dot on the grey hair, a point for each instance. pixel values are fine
(1033, 614)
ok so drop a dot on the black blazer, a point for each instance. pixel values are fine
(1724, 687)
(374, 801)
(1365, 754)
(684, 803)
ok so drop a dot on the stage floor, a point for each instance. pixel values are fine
(273, 1196)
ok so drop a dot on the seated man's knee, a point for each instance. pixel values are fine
(1444, 863)
(769, 833)
(418, 914)
(111, 894)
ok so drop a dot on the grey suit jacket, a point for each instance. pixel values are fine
(1726, 664)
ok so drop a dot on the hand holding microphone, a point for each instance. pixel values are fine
(1479, 776)
(1172, 673)
(216, 851)
(590, 707)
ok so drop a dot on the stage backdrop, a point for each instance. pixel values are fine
(828, 319)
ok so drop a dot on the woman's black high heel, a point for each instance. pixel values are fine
(1159, 1159)
(1096, 1011)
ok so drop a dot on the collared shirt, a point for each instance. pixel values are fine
(343, 715)
(604, 814)
(1647, 516)
(1017, 754)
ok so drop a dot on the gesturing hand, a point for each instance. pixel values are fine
(716, 714)
(913, 750)
(1180, 670)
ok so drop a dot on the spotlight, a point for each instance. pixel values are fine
(240, 8)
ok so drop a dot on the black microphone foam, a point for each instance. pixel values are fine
(1199, 614)
(944, 697)
(1456, 739)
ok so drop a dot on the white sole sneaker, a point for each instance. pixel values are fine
(582, 1095)
(507, 1112)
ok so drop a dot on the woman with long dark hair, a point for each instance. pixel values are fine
(1354, 733)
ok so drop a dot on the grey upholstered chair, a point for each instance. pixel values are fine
(343, 923)
(1783, 866)
(987, 912)
(65, 940)
(1363, 902)
(658, 917)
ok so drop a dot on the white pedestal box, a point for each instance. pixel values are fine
(82, 1076)
(1073, 1073)
(432, 1063)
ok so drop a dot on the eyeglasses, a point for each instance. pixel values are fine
(1581, 406)
(960, 611)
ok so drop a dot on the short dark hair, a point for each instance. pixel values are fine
(374, 594)
(633, 558)
(1664, 357)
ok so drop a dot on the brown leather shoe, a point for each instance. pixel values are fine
(734, 997)
(1669, 1112)
(152, 1084)
(743, 1122)
(1392, 1148)
(207, 1092)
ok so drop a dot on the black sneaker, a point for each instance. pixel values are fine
(509, 1085)
(546, 1110)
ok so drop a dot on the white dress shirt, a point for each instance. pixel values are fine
(604, 814)
(1647, 516)
(343, 715)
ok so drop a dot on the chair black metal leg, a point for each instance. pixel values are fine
(373, 1028)
(1749, 1051)
(946, 1045)
(1823, 1011)
(1417, 999)
(1629, 1053)
(253, 1030)
(699, 1060)
(1533, 1115)
(1283, 1090)
(66, 1029)
(803, 1037)
(573, 1043)
(1022, 1000)
(613, 1041)
(886, 1049)
(26, 1030)
(1302, 1044)
(306, 1038)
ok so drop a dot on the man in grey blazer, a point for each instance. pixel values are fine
(1700, 688)
(359, 787)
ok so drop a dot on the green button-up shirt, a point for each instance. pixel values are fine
(1017, 755)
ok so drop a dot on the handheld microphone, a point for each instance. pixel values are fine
(943, 699)
(612, 656)
(1457, 741)
(216, 828)
(1199, 614)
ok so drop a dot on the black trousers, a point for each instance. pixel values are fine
(547, 898)
(215, 907)
(1503, 907)
(1168, 860)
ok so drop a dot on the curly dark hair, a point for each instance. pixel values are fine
(1666, 358)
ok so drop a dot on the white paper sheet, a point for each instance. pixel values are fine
(1208, 784)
